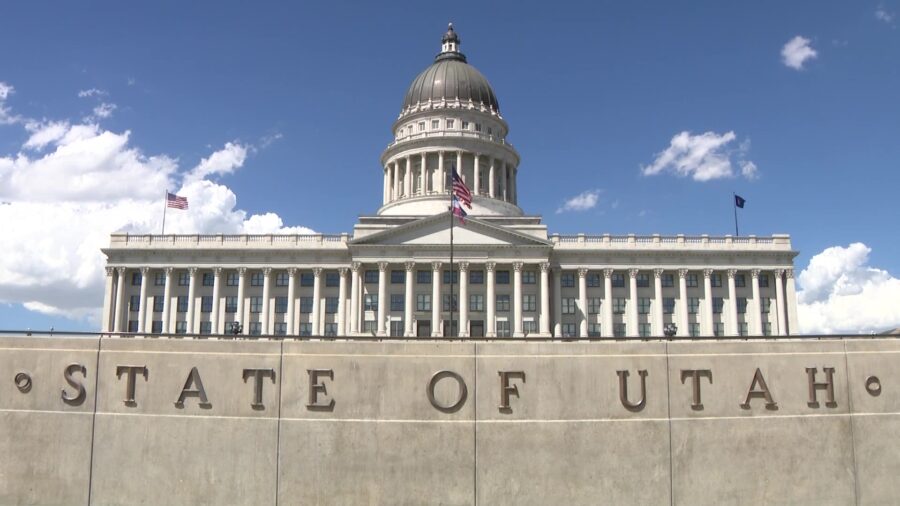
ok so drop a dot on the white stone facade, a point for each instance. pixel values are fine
(390, 276)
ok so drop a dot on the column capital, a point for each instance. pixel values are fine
(789, 273)
(317, 271)
(354, 266)
(110, 270)
(343, 270)
(582, 272)
(754, 273)
(241, 271)
(517, 266)
(682, 273)
(732, 273)
(707, 273)
(463, 266)
(217, 271)
(382, 266)
(657, 273)
(120, 270)
(779, 272)
(144, 271)
(266, 271)
(292, 271)
(632, 273)
(607, 273)
(168, 270)
(410, 266)
(545, 266)
(436, 266)
(489, 266)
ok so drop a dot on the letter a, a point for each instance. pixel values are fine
(759, 389)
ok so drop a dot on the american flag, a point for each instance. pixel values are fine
(460, 190)
(458, 211)
(176, 201)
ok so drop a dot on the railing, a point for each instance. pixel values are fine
(778, 241)
(468, 134)
(225, 239)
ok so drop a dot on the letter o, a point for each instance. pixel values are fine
(23, 382)
(873, 386)
(463, 391)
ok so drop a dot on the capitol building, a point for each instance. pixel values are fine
(391, 276)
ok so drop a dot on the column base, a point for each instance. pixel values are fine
(437, 334)
(490, 334)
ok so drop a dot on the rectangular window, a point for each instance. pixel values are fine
(455, 277)
(619, 305)
(206, 328)
(668, 305)
(132, 326)
(716, 280)
(206, 304)
(593, 279)
(668, 280)
(742, 305)
(529, 277)
(764, 280)
(618, 280)
(476, 302)
(332, 279)
(208, 279)
(256, 304)
(502, 278)
(159, 279)
(767, 328)
(692, 281)
(281, 305)
(306, 328)
(307, 278)
(369, 326)
(230, 327)
(694, 329)
(693, 305)
(134, 303)
(477, 127)
(331, 305)
(306, 305)
(476, 277)
(742, 328)
(281, 279)
(370, 302)
(396, 328)
(181, 327)
(135, 279)
(280, 328)
(445, 305)
(644, 305)
(397, 302)
(232, 279)
(594, 305)
(256, 279)
(503, 303)
(370, 277)
(423, 277)
(502, 328)
(231, 304)
(643, 280)
(567, 280)
(529, 326)
(181, 306)
(255, 328)
(644, 329)
(568, 330)
(618, 330)
(594, 330)
(423, 302)
(158, 301)
(764, 304)
(331, 329)
(718, 329)
(465, 125)
(435, 124)
(184, 278)
(450, 123)
(568, 305)
(156, 327)
(740, 280)
(529, 302)
(718, 304)
(421, 126)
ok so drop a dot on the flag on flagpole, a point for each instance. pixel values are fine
(458, 211)
(739, 201)
(176, 201)
(460, 190)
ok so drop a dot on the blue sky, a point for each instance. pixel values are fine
(594, 92)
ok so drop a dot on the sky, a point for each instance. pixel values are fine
(630, 117)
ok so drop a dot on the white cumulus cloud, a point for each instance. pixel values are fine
(796, 52)
(92, 92)
(104, 110)
(72, 184)
(703, 157)
(581, 202)
(840, 293)
(6, 117)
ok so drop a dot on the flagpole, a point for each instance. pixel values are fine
(165, 206)
(734, 205)
(450, 331)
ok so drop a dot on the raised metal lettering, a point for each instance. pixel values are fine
(258, 375)
(762, 392)
(873, 386)
(23, 382)
(695, 375)
(623, 390)
(463, 391)
(316, 388)
(828, 386)
(193, 387)
(506, 389)
(81, 394)
(132, 372)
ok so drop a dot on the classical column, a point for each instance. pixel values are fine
(514, 195)
(459, 164)
(354, 298)
(316, 315)
(382, 295)
(436, 299)
(142, 310)
(657, 303)
(167, 303)
(491, 330)
(476, 170)
(192, 304)
(684, 327)
(606, 322)
(342, 302)
(491, 177)
(504, 190)
(387, 184)
(440, 183)
(557, 302)
(545, 298)
(582, 302)
(790, 303)
(732, 326)
(109, 300)
(291, 296)
(395, 190)
(423, 171)
(706, 316)
(754, 309)
(266, 295)
(632, 330)
(779, 302)
(121, 312)
(241, 306)
(407, 177)
(517, 303)
(409, 300)
(463, 299)
(217, 289)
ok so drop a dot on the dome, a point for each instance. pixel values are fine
(451, 78)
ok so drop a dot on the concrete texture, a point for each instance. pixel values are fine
(562, 434)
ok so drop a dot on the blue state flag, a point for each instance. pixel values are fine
(739, 201)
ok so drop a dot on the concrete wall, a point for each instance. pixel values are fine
(565, 436)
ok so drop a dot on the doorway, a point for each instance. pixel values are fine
(423, 328)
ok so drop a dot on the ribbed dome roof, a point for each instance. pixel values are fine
(451, 78)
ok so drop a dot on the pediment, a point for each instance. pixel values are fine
(435, 231)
